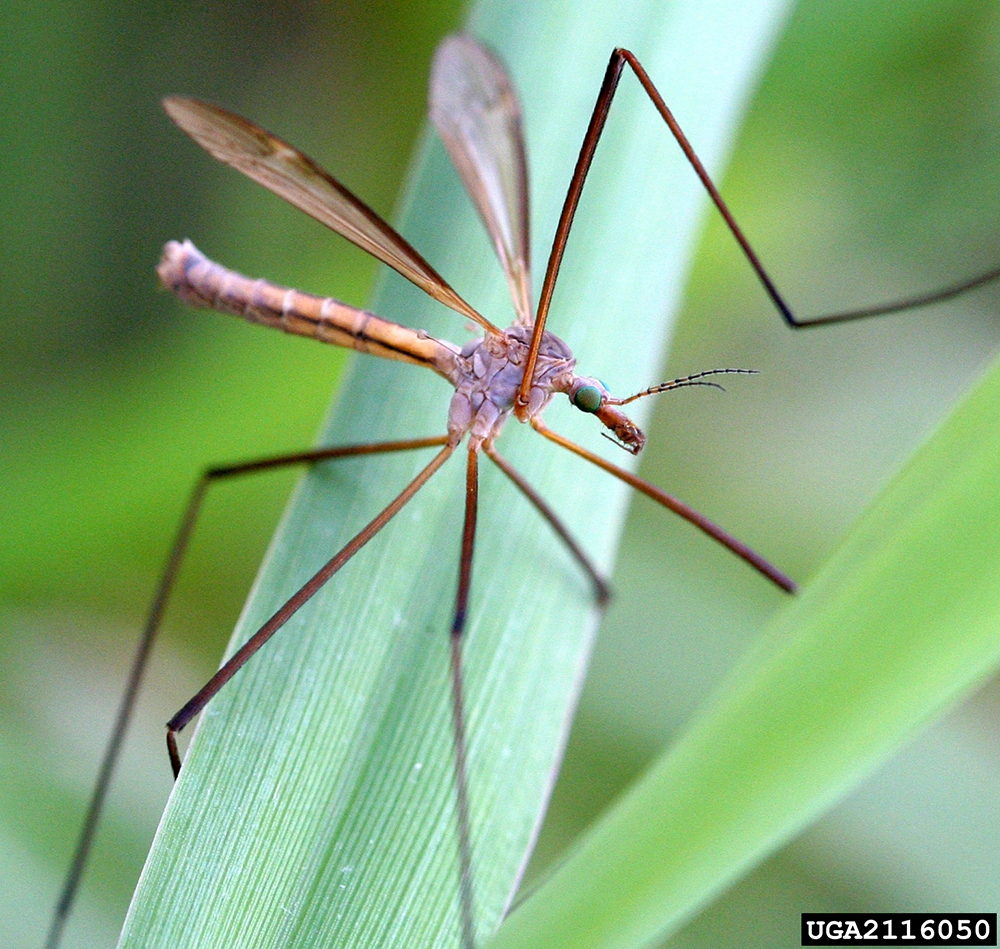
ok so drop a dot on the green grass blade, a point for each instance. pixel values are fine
(316, 805)
(902, 621)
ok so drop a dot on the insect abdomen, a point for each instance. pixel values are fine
(190, 275)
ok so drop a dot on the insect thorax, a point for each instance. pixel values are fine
(491, 370)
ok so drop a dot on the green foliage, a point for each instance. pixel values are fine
(867, 169)
(900, 622)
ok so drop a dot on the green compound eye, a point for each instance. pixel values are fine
(588, 398)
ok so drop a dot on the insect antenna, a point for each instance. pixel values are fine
(695, 379)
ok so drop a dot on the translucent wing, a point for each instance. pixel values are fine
(300, 181)
(475, 110)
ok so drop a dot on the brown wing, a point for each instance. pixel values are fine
(300, 181)
(475, 109)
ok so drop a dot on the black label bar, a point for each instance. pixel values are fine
(899, 929)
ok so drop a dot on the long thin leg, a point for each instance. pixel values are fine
(907, 303)
(293, 604)
(601, 589)
(466, 894)
(619, 58)
(678, 507)
(148, 636)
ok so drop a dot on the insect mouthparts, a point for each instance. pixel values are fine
(625, 432)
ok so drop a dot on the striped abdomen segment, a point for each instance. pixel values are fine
(187, 272)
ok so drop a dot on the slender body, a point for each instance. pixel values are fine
(199, 281)
(487, 372)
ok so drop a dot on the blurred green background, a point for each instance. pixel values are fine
(867, 169)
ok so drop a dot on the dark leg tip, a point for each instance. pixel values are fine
(175, 758)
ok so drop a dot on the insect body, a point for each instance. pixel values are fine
(486, 372)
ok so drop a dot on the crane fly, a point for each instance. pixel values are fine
(500, 374)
